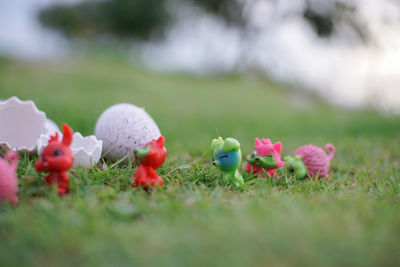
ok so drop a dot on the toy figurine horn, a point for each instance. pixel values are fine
(278, 147)
(161, 140)
(67, 135)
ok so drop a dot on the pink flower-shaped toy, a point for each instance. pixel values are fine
(8, 177)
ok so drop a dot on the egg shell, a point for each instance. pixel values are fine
(21, 124)
(86, 150)
(50, 127)
(123, 128)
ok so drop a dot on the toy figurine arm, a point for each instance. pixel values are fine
(239, 182)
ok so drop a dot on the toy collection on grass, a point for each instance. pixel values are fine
(125, 131)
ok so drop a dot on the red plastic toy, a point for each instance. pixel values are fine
(149, 158)
(57, 159)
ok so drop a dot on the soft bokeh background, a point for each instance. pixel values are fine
(346, 51)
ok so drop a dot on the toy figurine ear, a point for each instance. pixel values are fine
(297, 157)
(67, 135)
(257, 142)
(266, 141)
(287, 158)
(161, 140)
(215, 142)
(278, 147)
(13, 157)
(230, 144)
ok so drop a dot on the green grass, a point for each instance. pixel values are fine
(351, 219)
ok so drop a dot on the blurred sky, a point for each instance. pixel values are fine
(280, 44)
(20, 33)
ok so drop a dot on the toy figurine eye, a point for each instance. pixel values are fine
(254, 154)
(57, 152)
(269, 156)
(223, 156)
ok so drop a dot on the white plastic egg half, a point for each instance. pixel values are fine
(22, 123)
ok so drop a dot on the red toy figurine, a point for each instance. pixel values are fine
(149, 158)
(57, 158)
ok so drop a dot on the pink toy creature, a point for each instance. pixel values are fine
(266, 158)
(8, 178)
(311, 160)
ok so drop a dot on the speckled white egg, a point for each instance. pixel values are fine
(124, 127)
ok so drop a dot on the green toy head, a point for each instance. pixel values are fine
(267, 162)
(295, 166)
(226, 154)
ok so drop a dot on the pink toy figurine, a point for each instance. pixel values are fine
(311, 160)
(265, 158)
(8, 178)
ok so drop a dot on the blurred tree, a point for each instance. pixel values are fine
(229, 10)
(321, 23)
(139, 18)
(122, 18)
(126, 18)
(335, 13)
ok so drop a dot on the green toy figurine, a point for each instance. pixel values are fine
(227, 157)
(294, 165)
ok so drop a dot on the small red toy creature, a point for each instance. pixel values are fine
(57, 158)
(149, 158)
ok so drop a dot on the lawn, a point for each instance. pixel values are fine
(351, 219)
